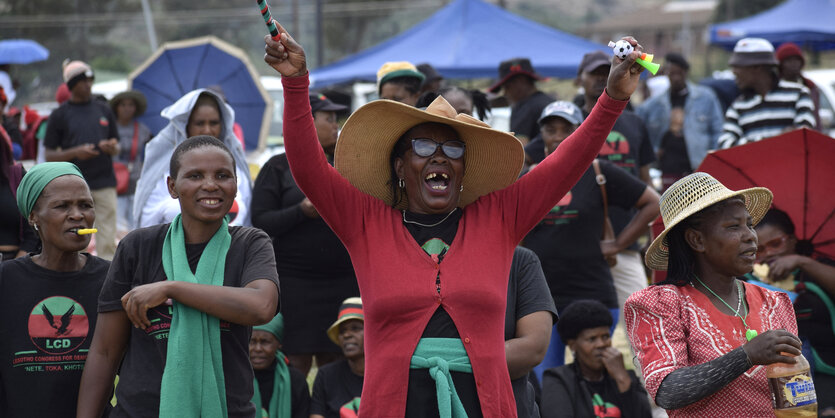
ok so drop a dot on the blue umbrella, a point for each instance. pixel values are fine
(21, 51)
(179, 67)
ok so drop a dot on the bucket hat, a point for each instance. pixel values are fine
(493, 158)
(690, 195)
(752, 51)
(351, 308)
(136, 96)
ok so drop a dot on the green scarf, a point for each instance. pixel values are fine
(192, 383)
(280, 400)
(33, 183)
(440, 356)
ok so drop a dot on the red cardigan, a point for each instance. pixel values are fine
(397, 278)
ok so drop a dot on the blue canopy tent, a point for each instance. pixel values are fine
(467, 39)
(809, 23)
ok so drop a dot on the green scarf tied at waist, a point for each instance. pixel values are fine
(192, 382)
(33, 183)
(280, 400)
(440, 356)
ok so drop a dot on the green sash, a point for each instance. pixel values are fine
(280, 399)
(440, 356)
(193, 383)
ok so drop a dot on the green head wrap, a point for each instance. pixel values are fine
(33, 183)
(274, 327)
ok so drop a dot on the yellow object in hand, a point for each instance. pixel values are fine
(761, 271)
(86, 231)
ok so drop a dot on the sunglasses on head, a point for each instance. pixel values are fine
(425, 147)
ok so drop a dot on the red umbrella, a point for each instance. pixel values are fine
(799, 168)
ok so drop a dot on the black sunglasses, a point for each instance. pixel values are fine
(425, 147)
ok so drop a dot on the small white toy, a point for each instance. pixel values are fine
(621, 48)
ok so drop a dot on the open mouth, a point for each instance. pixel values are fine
(750, 253)
(210, 202)
(437, 181)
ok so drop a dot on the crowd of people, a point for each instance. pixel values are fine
(470, 258)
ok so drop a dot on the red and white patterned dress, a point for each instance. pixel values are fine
(672, 327)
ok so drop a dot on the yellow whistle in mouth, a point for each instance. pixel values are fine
(86, 231)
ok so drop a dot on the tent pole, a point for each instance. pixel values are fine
(149, 25)
(320, 45)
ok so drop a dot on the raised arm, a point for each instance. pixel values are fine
(336, 200)
(539, 190)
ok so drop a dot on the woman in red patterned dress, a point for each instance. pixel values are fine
(702, 337)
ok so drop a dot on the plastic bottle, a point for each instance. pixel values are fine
(792, 389)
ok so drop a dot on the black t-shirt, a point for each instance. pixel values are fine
(304, 247)
(14, 230)
(527, 292)
(567, 240)
(525, 114)
(75, 124)
(48, 323)
(299, 391)
(434, 236)
(335, 386)
(138, 261)
(674, 159)
(628, 147)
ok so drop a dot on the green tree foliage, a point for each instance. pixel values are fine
(737, 9)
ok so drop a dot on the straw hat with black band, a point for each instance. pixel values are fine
(690, 195)
(493, 159)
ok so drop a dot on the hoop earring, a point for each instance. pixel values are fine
(401, 183)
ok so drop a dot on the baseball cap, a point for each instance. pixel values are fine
(319, 102)
(592, 60)
(562, 109)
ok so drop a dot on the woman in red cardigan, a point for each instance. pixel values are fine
(429, 207)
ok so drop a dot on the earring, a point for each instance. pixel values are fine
(401, 183)
(35, 226)
(461, 189)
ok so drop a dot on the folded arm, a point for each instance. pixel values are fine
(254, 304)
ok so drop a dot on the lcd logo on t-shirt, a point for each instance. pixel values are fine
(58, 325)
(616, 150)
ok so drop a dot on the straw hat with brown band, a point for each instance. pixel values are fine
(692, 194)
(493, 158)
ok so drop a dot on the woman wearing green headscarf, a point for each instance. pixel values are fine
(48, 300)
(281, 390)
(191, 289)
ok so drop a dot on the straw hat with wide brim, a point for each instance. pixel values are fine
(692, 194)
(493, 159)
(136, 96)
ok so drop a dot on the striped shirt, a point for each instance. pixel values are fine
(755, 117)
